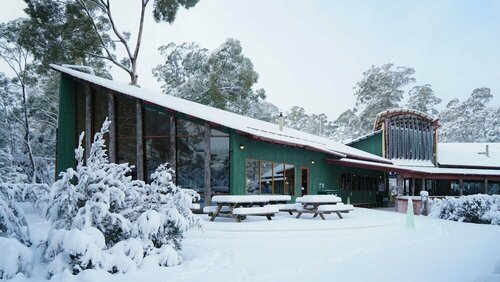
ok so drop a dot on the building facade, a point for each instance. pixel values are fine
(212, 151)
(408, 138)
(219, 152)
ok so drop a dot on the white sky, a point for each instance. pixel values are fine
(312, 53)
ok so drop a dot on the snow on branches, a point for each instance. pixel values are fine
(119, 223)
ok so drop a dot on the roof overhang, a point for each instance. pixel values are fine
(421, 172)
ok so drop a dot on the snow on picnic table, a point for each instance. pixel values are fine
(367, 245)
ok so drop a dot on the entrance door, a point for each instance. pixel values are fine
(304, 181)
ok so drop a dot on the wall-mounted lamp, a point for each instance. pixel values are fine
(312, 161)
(242, 146)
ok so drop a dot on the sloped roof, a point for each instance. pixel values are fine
(258, 129)
(468, 155)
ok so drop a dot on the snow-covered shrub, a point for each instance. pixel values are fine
(74, 250)
(15, 258)
(97, 193)
(35, 193)
(478, 208)
(124, 256)
(163, 256)
(138, 223)
(12, 220)
(166, 215)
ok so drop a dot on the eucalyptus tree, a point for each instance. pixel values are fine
(423, 98)
(381, 88)
(86, 30)
(224, 78)
(18, 89)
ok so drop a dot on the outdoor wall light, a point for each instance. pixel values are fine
(312, 161)
(242, 146)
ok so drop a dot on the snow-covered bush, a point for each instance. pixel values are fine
(133, 223)
(124, 256)
(15, 258)
(97, 193)
(166, 215)
(12, 220)
(478, 208)
(35, 193)
(74, 250)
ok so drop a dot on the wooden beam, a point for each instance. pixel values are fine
(88, 120)
(413, 186)
(173, 147)
(461, 187)
(112, 128)
(208, 184)
(140, 147)
(486, 186)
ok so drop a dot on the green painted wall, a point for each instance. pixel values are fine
(66, 125)
(319, 173)
(372, 144)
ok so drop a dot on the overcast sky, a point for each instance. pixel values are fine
(312, 53)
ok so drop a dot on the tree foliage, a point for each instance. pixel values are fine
(472, 120)
(224, 78)
(380, 89)
(71, 31)
(422, 98)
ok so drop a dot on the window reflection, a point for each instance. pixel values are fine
(190, 155)
(219, 163)
(264, 177)
(156, 139)
(126, 150)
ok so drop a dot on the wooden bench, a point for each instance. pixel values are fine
(211, 209)
(267, 211)
(290, 208)
(328, 209)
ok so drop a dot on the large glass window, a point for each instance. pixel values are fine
(99, 112)
(190, 155)
(156, 139)
(100, 109)
(355, 182)
(263, 177)
(493, 188)
(126, 128)
(219, 163)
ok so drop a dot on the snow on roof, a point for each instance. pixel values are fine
(364, 137)
(412, 163)
(468, 155)
(265, 131)
(456, 171)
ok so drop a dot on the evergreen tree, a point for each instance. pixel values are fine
(379, 90)
(472, 120)
(224, 78)
(72, 30)
(422, 98)
(346, 127)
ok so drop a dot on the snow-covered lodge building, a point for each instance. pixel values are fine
(219, 152)
(408, 138)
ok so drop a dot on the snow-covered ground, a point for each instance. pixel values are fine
(367, 245)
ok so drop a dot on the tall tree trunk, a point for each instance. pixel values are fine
(27, 137)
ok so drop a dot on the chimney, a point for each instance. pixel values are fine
(487, 150)
(281, 121)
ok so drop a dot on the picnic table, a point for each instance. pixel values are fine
(322, 204)
(240, 206)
